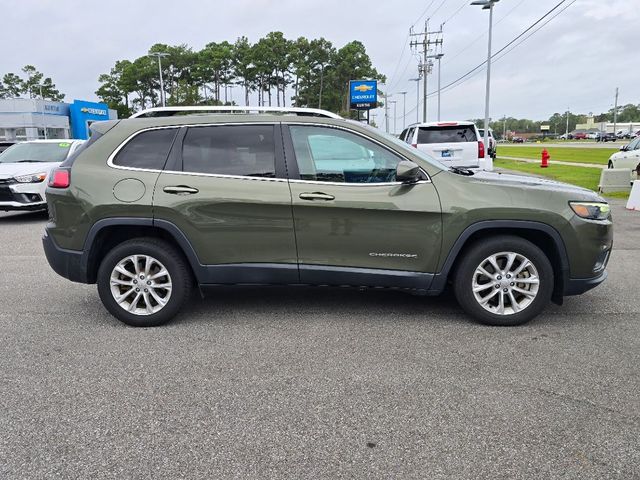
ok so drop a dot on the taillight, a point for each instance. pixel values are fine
(480, 149)
(414, 145)
(60, 178)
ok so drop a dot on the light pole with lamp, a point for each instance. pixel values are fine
(44, 124)
(487, 5)
(160, 56)
(439, 57)
(404, 108)
(417, 80)
(395, 117)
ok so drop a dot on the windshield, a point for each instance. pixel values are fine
(405, 146)
(447, 134)
(31, 152)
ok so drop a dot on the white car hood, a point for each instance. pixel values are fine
(10, 170)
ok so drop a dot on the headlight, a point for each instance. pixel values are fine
(591, 210)
(32, 178)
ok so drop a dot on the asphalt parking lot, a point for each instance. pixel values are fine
(314, 383)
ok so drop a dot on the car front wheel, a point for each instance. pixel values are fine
(504, 281)
(610, 164)
(144, 282)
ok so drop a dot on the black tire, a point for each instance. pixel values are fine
(478, 252)
(174, 263)
(610, 165)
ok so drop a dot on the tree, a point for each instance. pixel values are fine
(12, 86)
(242, 64)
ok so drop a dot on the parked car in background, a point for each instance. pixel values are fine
(458, 144)
(608, 137)
(593, 135)
(156, 206)
(627, 157)
(517, 140)
(580, 136)
(6, 144)
(492, 141)
(24, 170)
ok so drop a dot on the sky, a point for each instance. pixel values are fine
(576, 61)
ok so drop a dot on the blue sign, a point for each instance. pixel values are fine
(84, 114)
(363, 94)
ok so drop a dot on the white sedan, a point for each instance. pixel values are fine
(24, 171)
(627, 157)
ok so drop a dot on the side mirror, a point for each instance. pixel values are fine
(407, 172)
(623, 148)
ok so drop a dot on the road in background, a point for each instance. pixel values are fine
(314, 383)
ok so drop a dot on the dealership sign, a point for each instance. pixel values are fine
(94, 111)
(363, 94)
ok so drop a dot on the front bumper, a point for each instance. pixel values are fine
(22, 196)
(66, 263)
(577, 286)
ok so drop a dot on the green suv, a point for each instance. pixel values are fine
(152, 206)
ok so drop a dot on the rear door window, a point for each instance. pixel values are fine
(237, 150)
(147, 150)
(447, 134)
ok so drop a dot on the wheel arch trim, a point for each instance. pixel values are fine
(440, 279)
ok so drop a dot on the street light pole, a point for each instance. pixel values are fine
(487, 5)
(417, 80)
(404, 108)
(395, 117)
(44, 124)
(159, 56)
(439, 57)
(566, 133)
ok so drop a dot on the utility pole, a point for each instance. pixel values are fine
(425, 43)
(395, 118)
(404, 108)
(504, 127)
(615, 115)
(567, 131)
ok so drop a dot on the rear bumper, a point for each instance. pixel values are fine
(66, 263)
(577, 286)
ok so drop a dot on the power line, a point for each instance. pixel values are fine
(473, 42)
(464, 4)
(423, 13)
(470, 73)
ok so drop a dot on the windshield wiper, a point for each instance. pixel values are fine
(467, 172)
(28, 161)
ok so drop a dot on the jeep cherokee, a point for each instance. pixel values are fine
(155, 205)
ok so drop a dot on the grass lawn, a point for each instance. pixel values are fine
(565, 154)
(582, 176)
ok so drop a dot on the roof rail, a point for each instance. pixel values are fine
(233, 109)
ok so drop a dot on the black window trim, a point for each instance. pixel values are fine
(114, 154)
(292, 166)
(175, 154)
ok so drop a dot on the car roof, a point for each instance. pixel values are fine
(451, 123)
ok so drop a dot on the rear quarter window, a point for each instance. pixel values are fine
(447, 134)
(148, 150)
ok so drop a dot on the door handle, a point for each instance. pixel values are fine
(180, 190)
(316, 196)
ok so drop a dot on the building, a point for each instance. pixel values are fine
(30, 119)
(608, 127)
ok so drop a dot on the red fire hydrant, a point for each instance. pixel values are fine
(545, 159)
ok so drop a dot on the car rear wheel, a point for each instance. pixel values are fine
(144, 282)
(504, 281)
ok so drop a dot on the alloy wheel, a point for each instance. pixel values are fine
(505, 283)
(141, 285)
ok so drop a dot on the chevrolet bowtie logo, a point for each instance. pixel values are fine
(363, 88)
